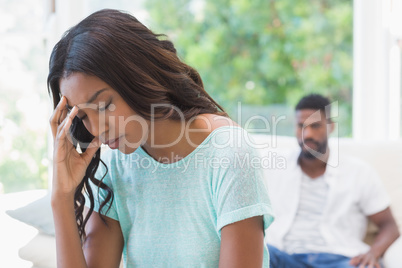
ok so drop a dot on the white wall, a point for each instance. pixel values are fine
(376, 74)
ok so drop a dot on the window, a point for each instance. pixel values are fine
(260, 57)
(377, 78)
(255, 57)
(23, 99)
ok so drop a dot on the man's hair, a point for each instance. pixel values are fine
(314, 102)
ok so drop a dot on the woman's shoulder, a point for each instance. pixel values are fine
(223, 133)
(205, 125)
(212, 122)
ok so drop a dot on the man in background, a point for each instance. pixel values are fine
(322, 207)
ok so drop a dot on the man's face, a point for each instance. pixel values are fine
(312, 132)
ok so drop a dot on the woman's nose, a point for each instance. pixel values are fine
(97, 126)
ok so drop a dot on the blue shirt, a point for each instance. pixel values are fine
(171, 215)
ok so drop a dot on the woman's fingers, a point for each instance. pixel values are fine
(64, 128)
(63, 143)
(91, 150)
(58, 115)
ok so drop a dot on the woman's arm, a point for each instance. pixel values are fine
(104, 244)
(242, 244)
(68, 244)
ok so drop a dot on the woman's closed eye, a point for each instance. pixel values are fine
(101, 109)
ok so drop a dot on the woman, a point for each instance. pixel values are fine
(157, 198)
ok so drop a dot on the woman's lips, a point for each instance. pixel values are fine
(113, 144)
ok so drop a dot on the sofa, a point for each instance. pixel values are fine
(37, 248)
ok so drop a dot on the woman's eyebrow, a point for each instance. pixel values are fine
(94, 96)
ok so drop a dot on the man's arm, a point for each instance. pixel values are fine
(388, 233)
(242, 244)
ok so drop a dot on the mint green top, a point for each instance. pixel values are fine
(171, 215)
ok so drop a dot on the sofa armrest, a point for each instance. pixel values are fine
(393, 257)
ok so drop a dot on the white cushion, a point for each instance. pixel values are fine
(41, 251)
(37, 214)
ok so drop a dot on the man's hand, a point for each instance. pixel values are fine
(387, 234)
(368, 260)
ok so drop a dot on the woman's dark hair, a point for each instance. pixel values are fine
(140, 65)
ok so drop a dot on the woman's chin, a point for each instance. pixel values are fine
(126, 149)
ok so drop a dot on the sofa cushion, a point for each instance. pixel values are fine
(41, 251)
(37, 214)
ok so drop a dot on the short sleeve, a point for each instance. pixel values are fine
(240, 189)
(100, 194)
(374, 197)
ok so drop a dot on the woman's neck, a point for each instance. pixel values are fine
(171, 140)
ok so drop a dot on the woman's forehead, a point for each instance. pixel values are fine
(81, 89)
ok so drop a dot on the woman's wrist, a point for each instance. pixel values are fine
(59, 199)
(62, 187)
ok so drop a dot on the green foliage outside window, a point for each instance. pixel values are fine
(264, 53)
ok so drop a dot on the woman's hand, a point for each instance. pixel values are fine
(69, 166)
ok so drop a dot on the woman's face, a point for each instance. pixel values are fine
(104, 113)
